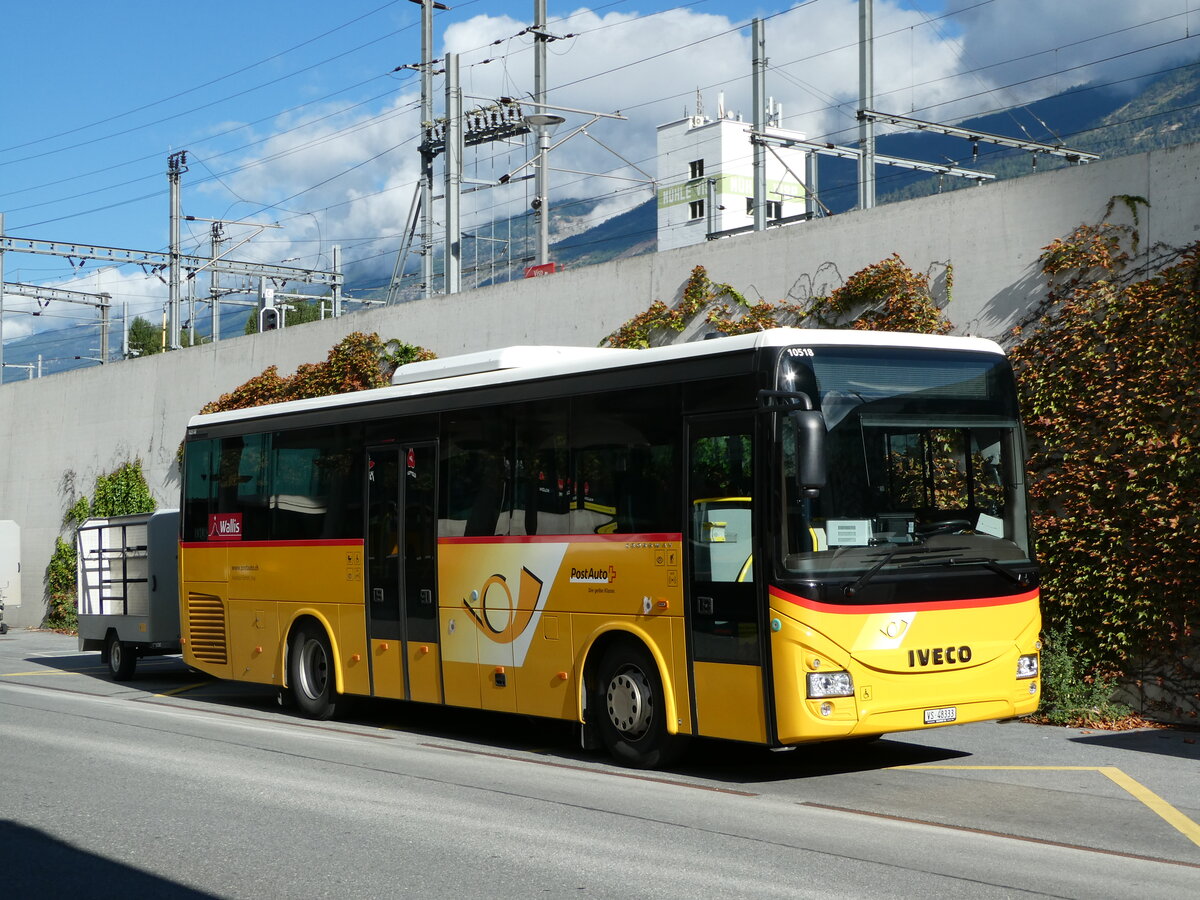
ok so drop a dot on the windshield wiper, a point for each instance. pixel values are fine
(965, 561)
(884, 559)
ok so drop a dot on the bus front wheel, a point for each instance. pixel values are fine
(310, 672)
(631, 709)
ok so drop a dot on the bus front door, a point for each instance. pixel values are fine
(401, 572)
(727, 671)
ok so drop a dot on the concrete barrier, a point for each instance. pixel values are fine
(60, 432)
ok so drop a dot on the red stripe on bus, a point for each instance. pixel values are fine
(563, 539)
(858, 610)
(229, 545)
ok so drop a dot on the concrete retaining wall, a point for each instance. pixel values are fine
(58, 433)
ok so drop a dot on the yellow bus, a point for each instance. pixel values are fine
(790, 536)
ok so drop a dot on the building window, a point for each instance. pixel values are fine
(774, 208)
(697, 209)
(696, 168)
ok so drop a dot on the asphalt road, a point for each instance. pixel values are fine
(173, 785)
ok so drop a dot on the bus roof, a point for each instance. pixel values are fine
(525, 363)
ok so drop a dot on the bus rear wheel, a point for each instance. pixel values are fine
(310, 672)
(631, 709)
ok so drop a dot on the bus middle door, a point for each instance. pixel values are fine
(401, 572)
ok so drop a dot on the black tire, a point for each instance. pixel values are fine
(310, 672)
(630, 709)
(122, 659)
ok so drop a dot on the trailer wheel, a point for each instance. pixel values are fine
(122, 658)
(310, 672)
(631, 708)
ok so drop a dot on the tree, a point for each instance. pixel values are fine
(144, 338)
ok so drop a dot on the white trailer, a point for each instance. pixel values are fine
(128, 588)
(10, 568)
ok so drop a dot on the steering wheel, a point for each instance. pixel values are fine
(943, 526)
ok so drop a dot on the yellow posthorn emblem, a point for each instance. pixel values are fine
(500, 617)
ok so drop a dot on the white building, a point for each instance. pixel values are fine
(706, 178)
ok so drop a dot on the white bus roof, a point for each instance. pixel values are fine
(522, 363)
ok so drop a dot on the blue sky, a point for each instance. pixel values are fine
(291, 112)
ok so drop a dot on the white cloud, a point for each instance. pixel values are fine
(349, 175)
(145, 294)
(1041, 47)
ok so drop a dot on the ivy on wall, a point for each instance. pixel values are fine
(884, 296)
(1109, 373)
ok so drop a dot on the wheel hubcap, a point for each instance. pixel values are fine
(630, 702)
(314, 669)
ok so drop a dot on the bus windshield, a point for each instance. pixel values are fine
(925, 466)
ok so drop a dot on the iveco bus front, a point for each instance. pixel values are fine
(904, 591)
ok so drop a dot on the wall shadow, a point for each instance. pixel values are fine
(37, 865)
(1008, 308)
(1163, 741)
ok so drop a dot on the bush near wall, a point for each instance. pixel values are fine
(357, 362)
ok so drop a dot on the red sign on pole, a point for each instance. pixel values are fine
(543, 269)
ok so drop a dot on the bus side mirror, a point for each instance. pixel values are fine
(811, 463)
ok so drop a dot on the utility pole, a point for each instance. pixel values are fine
(336, 288)
(176, 166)
(427, 154)
(760, 124)
(217, 237)
(866, 92)
(541, 201)
(453, 163)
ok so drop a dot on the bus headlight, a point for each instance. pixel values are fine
(1027, 666)
(830, 684)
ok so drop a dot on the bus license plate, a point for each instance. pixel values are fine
(941, 716)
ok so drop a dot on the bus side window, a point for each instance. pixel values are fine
(626, 459)
(243, 483)
(543, 478)
(200, 488)
(477, 457)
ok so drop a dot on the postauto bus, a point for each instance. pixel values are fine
(783, 537)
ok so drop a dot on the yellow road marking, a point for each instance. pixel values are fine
(180, 690)
(1177, 819)
(1143, 794)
